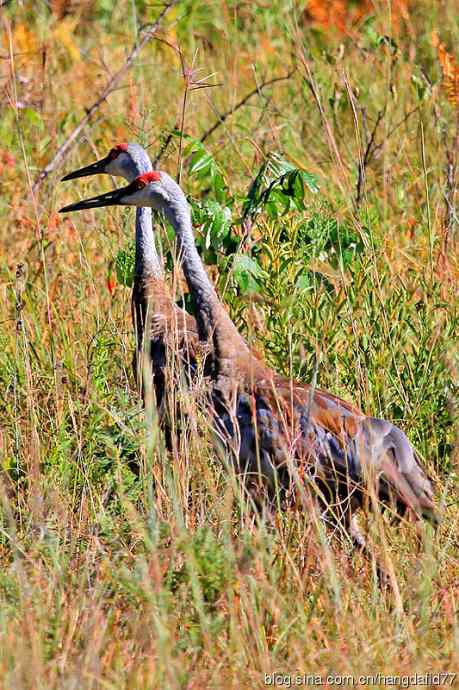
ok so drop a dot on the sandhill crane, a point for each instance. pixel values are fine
(152, 303)
(284, 430)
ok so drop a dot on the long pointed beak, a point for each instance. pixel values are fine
(93, 169)
(108, 199)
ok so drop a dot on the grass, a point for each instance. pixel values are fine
(123, 566)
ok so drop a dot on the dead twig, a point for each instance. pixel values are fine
(365, 157)
(163, 148)
(368, 155)
(372, 148)
(68, 144)
(450, 218)
(258, 88)
(224, 116)
(313, 87)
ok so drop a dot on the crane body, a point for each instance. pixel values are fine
(284, 432)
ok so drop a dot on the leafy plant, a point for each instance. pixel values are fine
(209, 563)
(277, 189)
(124, 264)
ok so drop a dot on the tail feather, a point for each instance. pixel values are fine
(400, 467)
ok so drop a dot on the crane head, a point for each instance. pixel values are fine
(149, 189)
(122, 161)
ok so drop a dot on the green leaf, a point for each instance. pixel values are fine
(33, 118)
(277, 187)
(246, 271)
(215, 221)
(310, 181)
(125, 265)
(201, 162)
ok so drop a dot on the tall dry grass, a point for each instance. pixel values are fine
(123, 565)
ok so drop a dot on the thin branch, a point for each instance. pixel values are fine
(395, 127)
(182, 125)
(372, 148)
(451, 185)
(223, 117)
(164, 146)
(242, 102)
(367, 157)
(68, 144)
(332, 144)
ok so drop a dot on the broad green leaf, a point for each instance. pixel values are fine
(310, 181)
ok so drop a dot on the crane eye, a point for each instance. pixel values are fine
(113, 154)
(140, 184)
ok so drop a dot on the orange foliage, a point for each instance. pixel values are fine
(450, 70)
(342, 14)
(62, 8)
(111, 283)
(7, 161)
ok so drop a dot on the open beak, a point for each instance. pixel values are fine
(108, 199)
(93, 169)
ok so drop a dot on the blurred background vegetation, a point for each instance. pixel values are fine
(317, 142)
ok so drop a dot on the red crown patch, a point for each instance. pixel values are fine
(153, 176)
